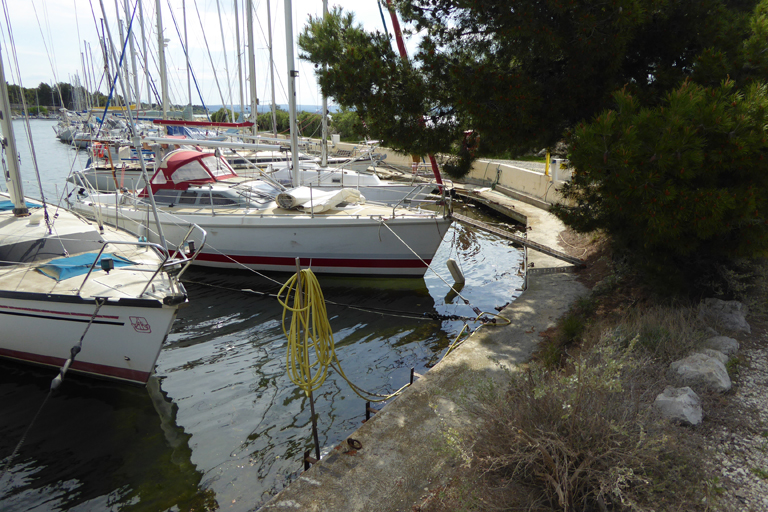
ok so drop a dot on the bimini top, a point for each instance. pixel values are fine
(182, 168)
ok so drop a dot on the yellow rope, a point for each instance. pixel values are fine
(310, 337)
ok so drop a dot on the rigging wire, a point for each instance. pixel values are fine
(15, 60)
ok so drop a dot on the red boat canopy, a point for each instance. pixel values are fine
(182, 168)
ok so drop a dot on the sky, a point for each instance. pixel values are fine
(49, 37)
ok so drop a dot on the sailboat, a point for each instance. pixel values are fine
(263, 225)
(92, 301)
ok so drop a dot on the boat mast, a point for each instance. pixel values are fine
(186, 53)
(271, 71)
(239, 63)
(324, 147)
(146, 57)
(226, 63)
(137, 97)
(252, 65)
(292, 74)
(12, 175)
(161, 51)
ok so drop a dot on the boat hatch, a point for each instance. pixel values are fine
(73, 266)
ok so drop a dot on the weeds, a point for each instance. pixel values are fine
(577, 433)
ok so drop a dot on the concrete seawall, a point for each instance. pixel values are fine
(407, 446)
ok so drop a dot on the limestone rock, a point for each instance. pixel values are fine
(724, 344)
(679, 404)
(701, 370)
(725, 314)
(715, 354)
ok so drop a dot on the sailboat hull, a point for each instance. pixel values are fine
(122, 341)
(358, 240)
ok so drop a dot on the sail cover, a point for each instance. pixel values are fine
(64, 268)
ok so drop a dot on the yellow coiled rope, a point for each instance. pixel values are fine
(310, 338)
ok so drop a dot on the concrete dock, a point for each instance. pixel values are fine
(404, 450)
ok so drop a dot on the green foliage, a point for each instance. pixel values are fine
(309, 124)
(282, 117)
(392, 97)
(682, 184)
(519, 77)
(348, 125)
(223, 115)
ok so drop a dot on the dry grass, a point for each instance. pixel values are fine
(576, 430)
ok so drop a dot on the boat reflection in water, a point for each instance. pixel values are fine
(95, 446)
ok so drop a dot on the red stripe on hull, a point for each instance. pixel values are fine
(111, 372)
(63, 313)
(318, 262)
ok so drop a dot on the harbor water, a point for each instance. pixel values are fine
(221, 426)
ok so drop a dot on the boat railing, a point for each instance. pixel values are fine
(173, 264)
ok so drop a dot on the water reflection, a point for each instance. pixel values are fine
(224, 426)
(94, 446)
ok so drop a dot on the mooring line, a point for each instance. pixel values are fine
(55, 383)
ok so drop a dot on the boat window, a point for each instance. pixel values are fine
(217, 166)
(159, 178)
(220, 199)
(190, 171)
(187, 197)
(166, 196)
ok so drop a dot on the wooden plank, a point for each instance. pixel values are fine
(518, 239)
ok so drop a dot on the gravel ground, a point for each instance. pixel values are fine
(740, 446)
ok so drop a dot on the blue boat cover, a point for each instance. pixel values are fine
(8, 205)
(64, 268)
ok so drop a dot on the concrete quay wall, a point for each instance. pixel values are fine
(410, 448)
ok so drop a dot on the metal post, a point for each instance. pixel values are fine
(311, 397)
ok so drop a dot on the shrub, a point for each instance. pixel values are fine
(683, 186)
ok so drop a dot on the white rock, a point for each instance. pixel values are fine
(725, 314)
(679, 404)
(715, 354)
(701, 370)
(724, 344)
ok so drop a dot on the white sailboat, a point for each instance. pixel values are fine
(98, 302)
(261, 225)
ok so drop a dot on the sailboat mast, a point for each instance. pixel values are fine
(292, 74)
(12, 175)
(271, 71)
(324, 147)
(186, 53)
(161, 52)
(252, 65)
(226, 63)
(137, 97)
(146, 57)
(239, 63)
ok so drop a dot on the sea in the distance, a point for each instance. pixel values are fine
(221, 426)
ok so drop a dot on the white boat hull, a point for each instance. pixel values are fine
(122, 343)
(351, 242)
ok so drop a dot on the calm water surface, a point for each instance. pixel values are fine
(221, 426)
